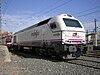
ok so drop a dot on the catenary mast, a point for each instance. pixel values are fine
(0, 17)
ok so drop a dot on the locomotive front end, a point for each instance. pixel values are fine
(73, 36)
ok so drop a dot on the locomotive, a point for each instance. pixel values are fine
(62, 36)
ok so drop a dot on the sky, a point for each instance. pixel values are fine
(19, 14)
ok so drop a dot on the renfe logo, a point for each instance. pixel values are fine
(74, 34)
(35, 33)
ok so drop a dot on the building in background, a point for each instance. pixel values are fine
(98, 38)
(91, 38)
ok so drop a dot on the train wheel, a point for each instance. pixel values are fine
(37, 51)
(50, 52)
(40, 51)
(84, 51)
(21, 48)
(33, 50)
(62, 55)
(15, 47)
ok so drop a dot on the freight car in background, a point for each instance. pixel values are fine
(62, 36)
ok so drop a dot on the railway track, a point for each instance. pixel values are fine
(91, 60)
(91, 55)
(86, 63)
(95, 54)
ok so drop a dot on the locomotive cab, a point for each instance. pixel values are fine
(72, 30)
(74, 33)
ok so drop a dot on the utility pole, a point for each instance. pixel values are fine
(0, 24)
(87, 40)
(95, 32)
(0, 17)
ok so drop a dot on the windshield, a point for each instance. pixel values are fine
(72, 23)
(8, 40)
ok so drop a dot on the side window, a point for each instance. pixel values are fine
(53, 25)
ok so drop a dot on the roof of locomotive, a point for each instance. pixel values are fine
(35, 25)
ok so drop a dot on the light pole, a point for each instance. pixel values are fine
(95, 32)
(0, 17)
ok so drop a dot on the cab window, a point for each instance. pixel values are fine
(72, 23)
(53, 25)
(8, 40)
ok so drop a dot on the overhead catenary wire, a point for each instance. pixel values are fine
(53, 4)
(78, 12)
(0, 16)
(84, 11)
(87, 10)
(46, 12)
(89, 13)
(54, 8)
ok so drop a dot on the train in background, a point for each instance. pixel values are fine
(62, 36)
(7, 40)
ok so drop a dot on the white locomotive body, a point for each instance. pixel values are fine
(61, 35)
